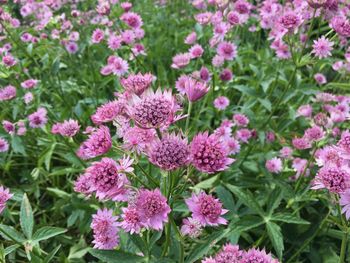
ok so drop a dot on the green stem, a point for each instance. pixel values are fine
(188, 115)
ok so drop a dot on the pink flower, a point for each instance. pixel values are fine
(226, 74)
(315, 133)
(9, 60)
(305, 110)
(132, 19)
(115, 65)
(138, 83)
(4, 145)
(233, 18)
(180, 84)
(301, 143)
(191, 227)
(218, 61)
(286, 152)
(98, 143)
(240, 120)
(233, 146)
(97, 36)
(320, 78)
(29, 84)
(181, 60)
(69, 128)
(244, 135)
(196, 51)
(290, 21)
(255, 255)
(345, 203)
(137, 139)
(331, 156)
(227, 50)
(170, 152)
(114, 42)
(107, 181)
(108, 112)
(341, 25)
(274, 165)
(229, 254)
(206, 209)
(153, 208)
(72, 47)
(105, 229)
(131, 220)
(5, 195)
(221, 102)
(322, 47)
(194, 89)
(7, 93)
(191, 38)
(9, 127)
(153, 109)
(28, 97)
(204, 74)
(38, 119)
(209, 153)
(335, 179)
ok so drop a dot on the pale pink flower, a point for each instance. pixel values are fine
(221, 102)
(274, 165)
(5, 195)
(322, 47)
(181, 60)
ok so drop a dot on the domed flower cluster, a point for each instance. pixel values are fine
(170, 152)
(137, 83)
(108, 112)
(68, 128)
(209, 154)
(5, 195)
(233, 254)
(98, 143)
(153, 109)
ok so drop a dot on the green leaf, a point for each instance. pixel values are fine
(225, 197)
(51, 255)
(17, 145)
(274, 200)
(115, 256)
(247, 199)
(266, 103)
(137, 240)
(11, 249)
(201, 249)
(289, 218)
(206, 184)
(9, 233)
(246, 223)
(276, 237)
(26, 217)
(47, 232)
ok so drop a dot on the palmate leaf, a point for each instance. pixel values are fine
(276, 237)
(115, 256)
(289, 218)
(26, 217)
(247, 198)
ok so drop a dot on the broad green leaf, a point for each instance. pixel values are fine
(266, 103)
(9, 233)
(137, 240)
(274, 200)
(289, 218)
(247, 198)
(246, 223)
(11, 249)
(276, 237)
(115, 256)
(225, 197)
(47, 232)
(206, 184)
(17, 145)
(26, 217)
(201, 249)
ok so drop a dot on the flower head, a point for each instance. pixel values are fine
(221, 102)
(138, 83)
(194, 89)
(322, 47)
(98, 143)
(153, 109)
(345, 203)
(206, 209)
(170, 152)
(153, 208)
(191, 227)
(4, 145)
(209, 153)
(7, 93)
(132, 19)
(5, 195)
(254, 255)
(227, 50)
(274, 165)
(131, 222)
(181, 60)
(138, 139)
(105, 229)
(69, 128)
(229, 254)
(38, 119)
(108, 112)
(335, 179)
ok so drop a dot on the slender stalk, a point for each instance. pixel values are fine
(188, 115)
